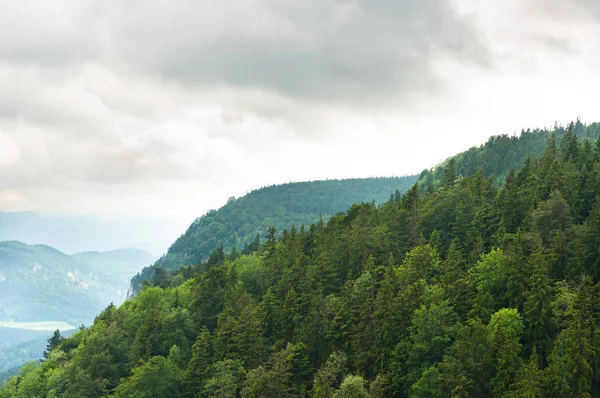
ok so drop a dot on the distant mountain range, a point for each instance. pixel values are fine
(78, 234)
(40, 283)
(42, 289)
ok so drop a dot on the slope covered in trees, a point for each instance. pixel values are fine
(502, 153)
(237, 224)
(463, 290)
(39, 283)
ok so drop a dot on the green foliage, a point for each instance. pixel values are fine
(226, 381)
(241, 222)
(506, 327)
(158, 377)
(459, 290)
(330, 375)
(352, 387)
(53, 342)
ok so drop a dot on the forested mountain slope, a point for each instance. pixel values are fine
(463, 290)
(502, 153)
(237, 224)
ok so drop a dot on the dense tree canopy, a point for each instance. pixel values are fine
(462, 289)
(243, 221)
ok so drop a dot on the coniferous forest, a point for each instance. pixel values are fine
(243, 221)
(464, 286)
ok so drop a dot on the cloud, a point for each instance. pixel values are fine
(56, 33)
(9, 152)
(321, 50)
(152, 106)
(121, 92)
(528, 33)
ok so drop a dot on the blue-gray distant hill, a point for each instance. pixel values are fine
(76, 234)
(39, 283)
(238, 222)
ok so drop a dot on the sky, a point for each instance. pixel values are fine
(165, 109)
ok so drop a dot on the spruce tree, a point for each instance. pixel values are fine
(53, 342)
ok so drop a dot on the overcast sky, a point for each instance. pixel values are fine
(167, 108)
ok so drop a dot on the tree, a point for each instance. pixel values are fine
(226, 381)
(330, 375)
(199, 366)
(590, 242)
(53, 342)
(352, 387)
(286, 374)
(506, 327)
(552, 216)
(538, 310)
(431, 384)
(530, 383)
(217, 257)
(449, 174)
(161, 278)
(569, 146)
(156, 378)
(432, 332)
(468, 367)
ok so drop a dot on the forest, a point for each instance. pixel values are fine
(464, 286)
(238, 223)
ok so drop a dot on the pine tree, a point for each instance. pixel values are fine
(330, 375)
(569, 145)
(198, 369)
(530, 383)
(590, 243)
(449, 174)
(538, 311)
(53, 342)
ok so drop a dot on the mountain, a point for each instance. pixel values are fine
(464, 288)
(503, 153)
(40, 283)
(30, 348)
(78, 234)
(116, 265)
(44, 289)
(238, 222)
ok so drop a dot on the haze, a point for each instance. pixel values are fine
(163, 110)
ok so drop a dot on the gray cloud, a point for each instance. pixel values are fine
(317, 49)
(153, 100)
(322, 50)
(82, 84)
(55, 33)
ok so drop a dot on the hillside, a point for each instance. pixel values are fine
(501, 153)
(466, 289)
(31, 348)
(40, 283)
(237, 223)
(116, 266)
